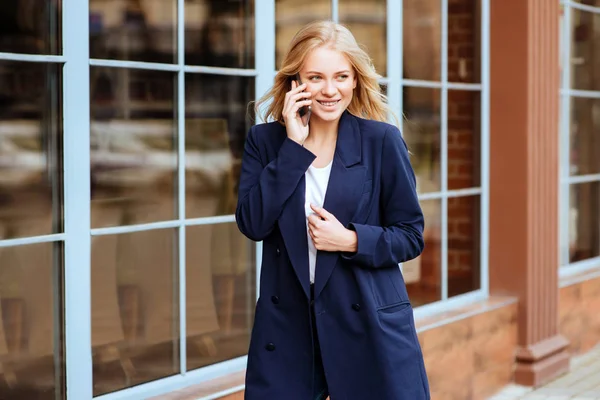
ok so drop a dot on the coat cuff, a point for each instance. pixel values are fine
(366, 237)
(297, 153)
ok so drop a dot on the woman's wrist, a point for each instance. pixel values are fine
(351, 242)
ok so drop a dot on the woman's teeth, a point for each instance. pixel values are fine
(328, 103)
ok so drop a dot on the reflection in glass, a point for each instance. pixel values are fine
(585, 136)
(31, 179)
(221, 293)
(422, 47)
(31, 320)
(423, 275)
(584, 221)
(367, 21)
(219, 33)
(464, 243)
(31, 27)
(135, 322)
(290, 16)
(143, 30)
(133, 144)
(464, 147)
(464, 40)
(585, 50)
(217, 120)
(422, 134)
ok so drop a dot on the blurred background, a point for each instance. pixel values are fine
(147, 131)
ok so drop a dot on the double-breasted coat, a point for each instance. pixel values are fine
(363, 315)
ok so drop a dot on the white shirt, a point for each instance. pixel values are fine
(316, 187)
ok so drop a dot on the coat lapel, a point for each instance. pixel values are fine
(343, 190)
(292, 225)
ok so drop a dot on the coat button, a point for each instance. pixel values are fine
(270, 347)
(275, 299)
(356, 307)
(278, 252)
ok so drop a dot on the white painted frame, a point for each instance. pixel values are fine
(78, 231)
(566, 179)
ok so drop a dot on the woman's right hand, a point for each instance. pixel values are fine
(294, 99)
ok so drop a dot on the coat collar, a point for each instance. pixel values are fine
(342, 196)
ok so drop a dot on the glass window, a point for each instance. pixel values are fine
(31, 177)
(31, 318)
(464, 139)
(217, 120)
(585, 50)
(221, 293)
(442, 128)
(421, 25)
(585, 136)
(143, 30)
(367, 19)
(422, 132)
(584, 221)
(135, 318)
(219, 33)
(133, 144)
(31, 26)
(290, 16)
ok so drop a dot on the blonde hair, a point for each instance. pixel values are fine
(367, 101)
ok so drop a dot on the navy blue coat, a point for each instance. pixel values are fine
(364, 318)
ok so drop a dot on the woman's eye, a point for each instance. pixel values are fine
(342, 77)
(314, 78)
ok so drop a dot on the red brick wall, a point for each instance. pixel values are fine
(463, 145)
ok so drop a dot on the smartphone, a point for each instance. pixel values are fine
(304, 111)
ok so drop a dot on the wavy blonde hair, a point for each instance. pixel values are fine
(367, 100)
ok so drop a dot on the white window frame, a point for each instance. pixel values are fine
(567, 93)
(77, 224)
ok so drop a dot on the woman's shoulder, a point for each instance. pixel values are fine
(378, 130)
(267, 132)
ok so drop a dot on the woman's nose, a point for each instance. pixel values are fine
(329, 89)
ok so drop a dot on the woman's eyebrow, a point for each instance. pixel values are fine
(320, 73)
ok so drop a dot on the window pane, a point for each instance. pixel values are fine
(290, 16)
(221, 293)
(463, 245)
(219, 33)
(423, 274)
(464, 139)
(585, 48)
(422, 134)
(584, 221)
(32, 323)
(367, 21)
(143, 30)
(422, 30)
(135, 318)
(464, 40)
(31, 26)
(31, 178)
(585, 136)
(134, 144)
(216, 127)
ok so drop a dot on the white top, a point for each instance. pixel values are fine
(316, 187)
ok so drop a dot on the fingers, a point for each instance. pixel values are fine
(323, 213)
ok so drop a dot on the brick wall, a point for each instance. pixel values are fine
(463, 146)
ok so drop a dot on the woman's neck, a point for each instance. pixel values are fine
(323, 133)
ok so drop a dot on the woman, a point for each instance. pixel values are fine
(335, 205)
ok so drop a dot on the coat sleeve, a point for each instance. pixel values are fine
(400, 238)
(264, 189)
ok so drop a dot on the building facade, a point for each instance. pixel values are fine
(122, 272)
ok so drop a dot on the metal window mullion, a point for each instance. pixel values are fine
(586, 94)
(394, 57)
(335, 11)
(484, 216)
(77, 249)
(264, 55)
(582, 7)
(564, 140)
(181, 186)
(32, 58)
(444, 146)
(574, 179)
(24, 241)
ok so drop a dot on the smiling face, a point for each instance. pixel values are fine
(330, 79)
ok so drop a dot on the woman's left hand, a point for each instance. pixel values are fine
(328, 234)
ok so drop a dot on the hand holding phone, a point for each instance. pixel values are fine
(296, 110)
